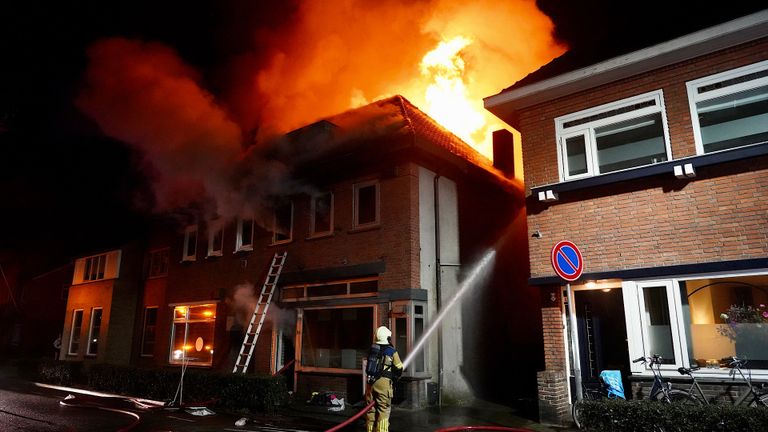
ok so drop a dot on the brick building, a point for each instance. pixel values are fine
(386, 215)
(655, 164)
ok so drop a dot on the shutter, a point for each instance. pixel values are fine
(77, 277)
(112, 270)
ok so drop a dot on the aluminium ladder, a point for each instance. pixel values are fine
(260, 313)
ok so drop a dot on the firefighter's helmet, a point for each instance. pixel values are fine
(382, 335)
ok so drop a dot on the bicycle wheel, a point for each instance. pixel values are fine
(576, 413)
(683, 397)
(761, 401)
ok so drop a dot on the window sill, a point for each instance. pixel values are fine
(213, 255)
(243, 249)
(314, 369)
(280, 243)
(364, 228)
(661, 168)
(320, 236)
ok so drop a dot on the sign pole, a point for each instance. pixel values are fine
(574, 341)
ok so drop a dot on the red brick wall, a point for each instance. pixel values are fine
(720, 215)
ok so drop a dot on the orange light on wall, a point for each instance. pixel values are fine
(207, 313)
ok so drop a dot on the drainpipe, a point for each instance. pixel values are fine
(438, 290)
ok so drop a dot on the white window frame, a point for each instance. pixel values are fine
(694, 97)
(313, 229)
(407, 309)
(355, 204)
(188, 232)
(587, 129)
(242, 244)
(275, 240)
(144, 330)
(214, 227)
(186, 322)
(72, 332)
(633, 304)
(90, 331)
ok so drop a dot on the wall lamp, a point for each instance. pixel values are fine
(684, 171)
(548, 195)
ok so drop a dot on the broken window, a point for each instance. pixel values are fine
(336, 338)
(322, 214)
(282, 227)
(244, 241)
(366, 203)
(215, 238)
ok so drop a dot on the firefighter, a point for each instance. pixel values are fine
(382, 389)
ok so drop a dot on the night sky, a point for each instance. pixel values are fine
(69, 189)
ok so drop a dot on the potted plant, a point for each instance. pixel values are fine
(747, 327)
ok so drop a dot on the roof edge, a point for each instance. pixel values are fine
(722, 36)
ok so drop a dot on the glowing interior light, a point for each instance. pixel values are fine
(177, 354)
(207, 313)
(591, 284)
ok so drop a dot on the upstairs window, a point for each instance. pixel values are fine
(612, 137)
(97, 267)
(215, 238)
(282, 223)
(730, 109)
(158, 263)
(366, 204)
(322, 215)
(244, 240)
(190, 244)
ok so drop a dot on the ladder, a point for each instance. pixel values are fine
(259, 314)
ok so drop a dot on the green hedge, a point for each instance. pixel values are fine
(263, 393)
(643, 415)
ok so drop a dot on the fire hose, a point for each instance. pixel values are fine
(353, 418)
(92, 402)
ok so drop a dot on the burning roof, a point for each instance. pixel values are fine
(386, 126)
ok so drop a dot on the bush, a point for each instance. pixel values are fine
(59, 372)
(230, 391)
(643, 415)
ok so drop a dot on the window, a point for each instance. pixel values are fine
(336, 338)
(190, 244)
(730, 109)
(158, 263)
(97, 267)
(215, 238)
(617, 136)
(699, 322)
(149, 331)
(364, 287)
(74, 334)
(244, 241)
(322, 215)
(366, 204)
(407, 332)
(94, 268)
(95, 330)
(282, 223)
(192, 334)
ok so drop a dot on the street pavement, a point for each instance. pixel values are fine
(33, 407)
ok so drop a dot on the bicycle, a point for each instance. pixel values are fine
(752, 397)
(660, 390)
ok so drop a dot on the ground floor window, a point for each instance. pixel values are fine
(699, 321)
(407, 332)
(74, 335)
(336, 338)
(148, 332)
(95, 331)
(192, 334)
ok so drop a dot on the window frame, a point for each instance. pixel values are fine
(305, 286)
(694, 97)
(587, 129)
(240, 243)
(72, 332)
(407, 309)
(142, 353)
(313, 216)
(636, 339)
(187, 321)
(356, 225)
(299, 345)
(275, 240)
(186, 256)
(215, 227)
(164, 256)
(88, 351)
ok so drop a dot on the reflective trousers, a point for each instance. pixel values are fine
(377, 418)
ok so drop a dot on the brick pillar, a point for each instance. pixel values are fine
(554, 406)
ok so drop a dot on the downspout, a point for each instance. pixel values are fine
(438, 290)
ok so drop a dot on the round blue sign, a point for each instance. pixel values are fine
(567, 260)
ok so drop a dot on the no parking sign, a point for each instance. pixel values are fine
(567, 260)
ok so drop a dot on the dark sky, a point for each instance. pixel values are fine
(68, 189)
